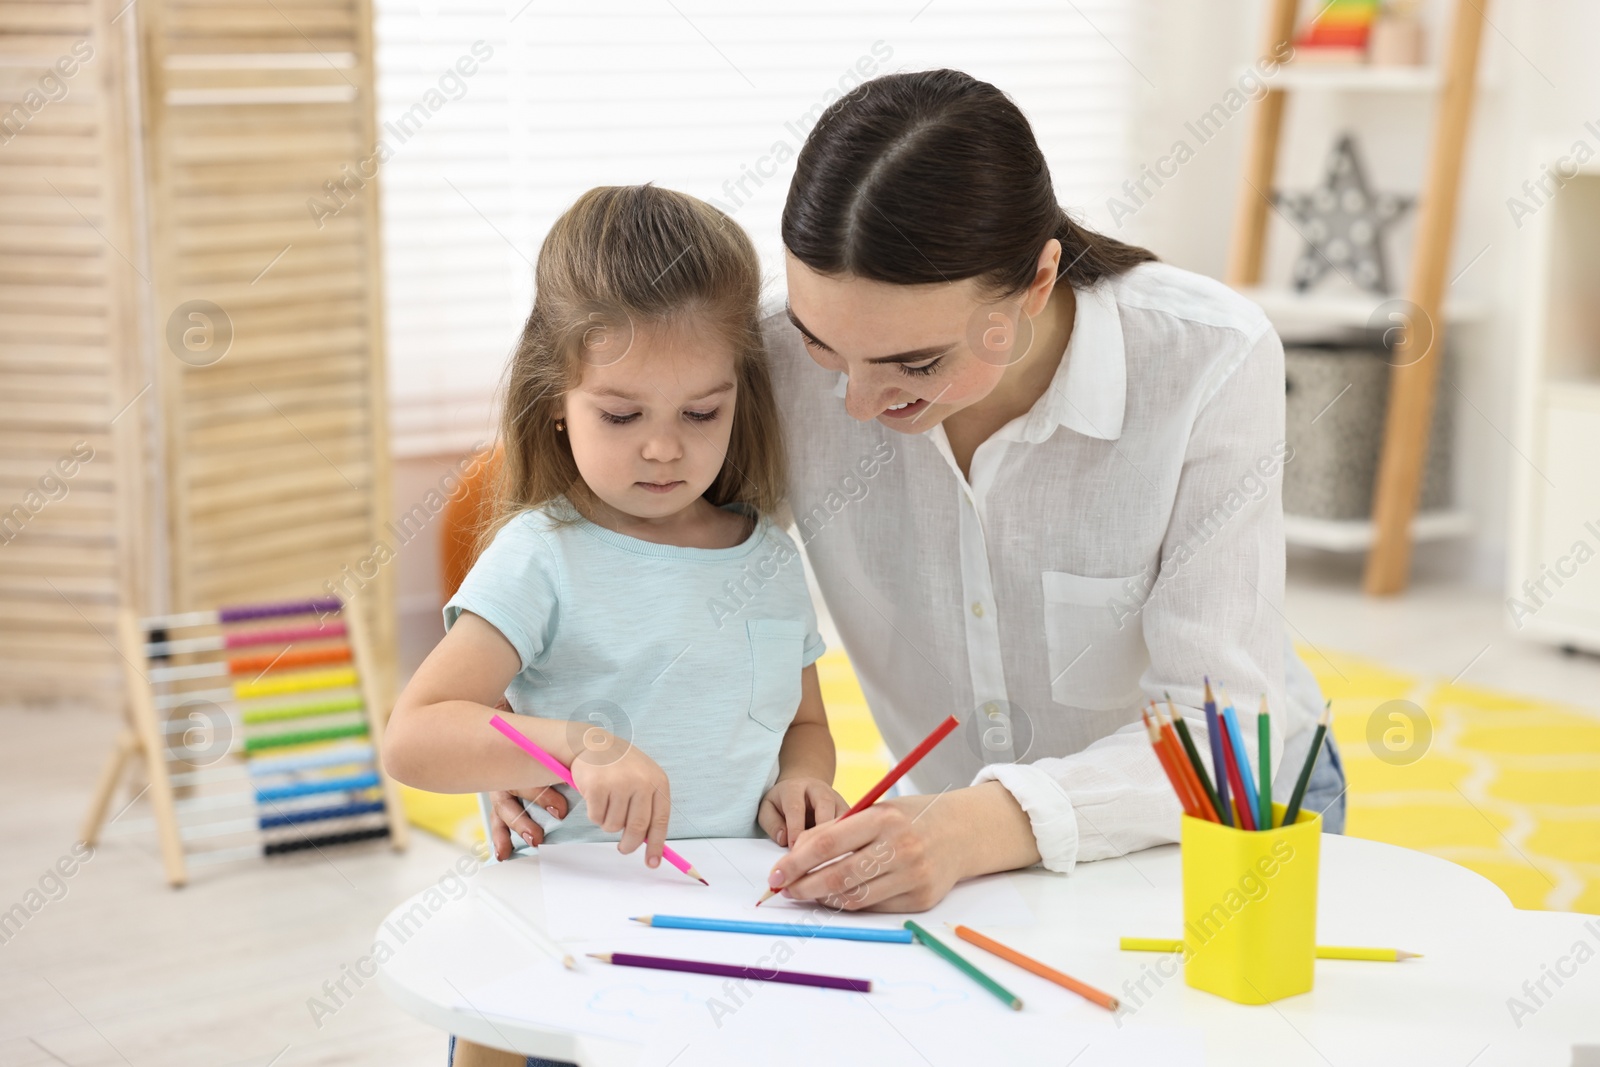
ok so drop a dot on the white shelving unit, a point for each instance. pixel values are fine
(1357, 535)
(1292, 311)
(1300, 314)
(1296, 314)
(1449, 82)
(1555, 524)
(1354, 77)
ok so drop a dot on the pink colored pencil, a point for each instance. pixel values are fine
(559, 769)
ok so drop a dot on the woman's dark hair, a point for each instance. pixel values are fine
(935, 176)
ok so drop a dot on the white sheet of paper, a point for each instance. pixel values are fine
(591, 890)
(918, 1001)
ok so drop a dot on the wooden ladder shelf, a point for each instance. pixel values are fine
(1414, 378)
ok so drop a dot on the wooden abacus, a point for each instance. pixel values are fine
(234, 770)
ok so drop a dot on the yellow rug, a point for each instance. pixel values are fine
(1504, 784)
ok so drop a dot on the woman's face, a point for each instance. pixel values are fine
(914, 354)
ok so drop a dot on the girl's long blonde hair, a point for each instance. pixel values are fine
(621, 259)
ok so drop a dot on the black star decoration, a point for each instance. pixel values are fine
(1343, 223)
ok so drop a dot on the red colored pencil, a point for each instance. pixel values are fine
(1247, 818)
(1202, 803)
(896, 772)
(1174, 775)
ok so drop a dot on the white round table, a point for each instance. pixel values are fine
(1496, 985)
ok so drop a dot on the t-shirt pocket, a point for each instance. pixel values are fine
(1096, 645)
(776, 647)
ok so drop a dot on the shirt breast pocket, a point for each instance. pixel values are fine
(1096, 646)
(776, 646)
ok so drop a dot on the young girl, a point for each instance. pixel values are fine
(643, 617)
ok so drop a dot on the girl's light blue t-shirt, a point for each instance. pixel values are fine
(692, 654)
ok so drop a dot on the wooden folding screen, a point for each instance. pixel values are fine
(72, 383)
(188, 246)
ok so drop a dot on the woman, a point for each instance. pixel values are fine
(1036, 474)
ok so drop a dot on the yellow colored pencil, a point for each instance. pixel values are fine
(1324, 952)
(1347, 952)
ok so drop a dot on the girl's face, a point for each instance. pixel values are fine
(650, 420)
(914, 354)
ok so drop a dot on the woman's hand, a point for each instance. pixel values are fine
(507, 816)
(893, 861)
(905, 854)
(794, 804)
(625, 791)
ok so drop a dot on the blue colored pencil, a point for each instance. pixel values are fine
(739, 926)
(1214, 730)
(1241, 757)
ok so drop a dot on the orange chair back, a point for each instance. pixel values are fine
(464, 516)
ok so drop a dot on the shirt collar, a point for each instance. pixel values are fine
(1089, 392)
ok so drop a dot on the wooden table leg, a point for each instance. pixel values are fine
(470, 1055)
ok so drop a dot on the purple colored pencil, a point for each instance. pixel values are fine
(724, 970)
(1218, 762)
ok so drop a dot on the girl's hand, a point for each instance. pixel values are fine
(507, 816)
(626, 791)
(794, 804)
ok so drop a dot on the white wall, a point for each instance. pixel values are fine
(495, 116)
(1538, 88)
(1188, 57)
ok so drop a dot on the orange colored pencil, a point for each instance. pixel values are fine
(1169, 741)
(1181, 758)
(1028, 963)
(1175, 776)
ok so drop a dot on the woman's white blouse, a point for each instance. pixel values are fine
(1121, 540)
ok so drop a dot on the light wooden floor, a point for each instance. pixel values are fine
(122, 971)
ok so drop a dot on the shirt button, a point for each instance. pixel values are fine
(977, 609)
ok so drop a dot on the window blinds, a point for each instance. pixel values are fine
(494, 117)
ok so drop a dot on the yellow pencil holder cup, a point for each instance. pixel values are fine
(1250, 908)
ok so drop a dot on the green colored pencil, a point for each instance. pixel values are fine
(1193, 753)
(959, 961)
(1292, 812)
(1264, 744)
